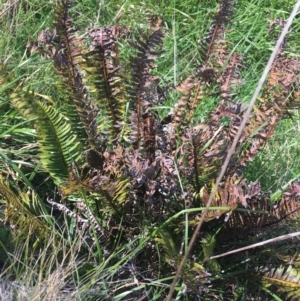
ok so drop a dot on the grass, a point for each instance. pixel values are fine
(278, 162)
(47, 273)
(60, 272)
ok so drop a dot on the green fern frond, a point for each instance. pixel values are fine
(56, 140)
(286, 279)
(104, 77)
(111, 194)
(23, 101)
(58, 146)
(69, 109)
(25, 211)
(66, 52)
(166, 240)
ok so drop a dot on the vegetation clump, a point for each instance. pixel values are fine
(123, 182)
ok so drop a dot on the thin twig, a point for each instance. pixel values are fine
(232, 148)
(259, 244)
(101, 3)
(8, 7)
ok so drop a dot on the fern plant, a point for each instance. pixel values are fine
(127, 174)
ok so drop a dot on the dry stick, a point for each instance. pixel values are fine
(259, 244)
(8, 7)
(101, 3)
(235, 141)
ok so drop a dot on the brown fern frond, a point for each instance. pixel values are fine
(230, 79)
(143, 84)
(63, 208)
(175, 122)
(85, 221)
(216, 30)
(86, 211)
(214, 58)
(44, 44)
(184, 106)
(289, 204)
(261, 213)
(278, 95)
(149, 133)
(111, 184)
(207, 145)
(68, 51)
(232, 192)
(276, 98)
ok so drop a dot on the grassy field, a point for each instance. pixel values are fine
(43, 254)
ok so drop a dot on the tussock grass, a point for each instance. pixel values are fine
(46, 273)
